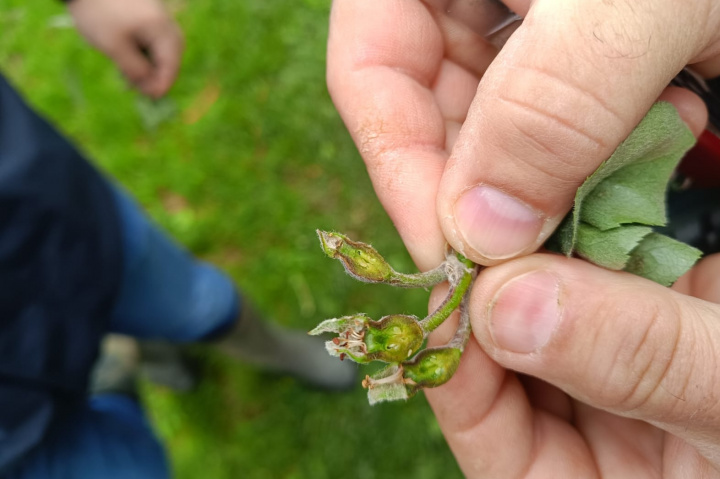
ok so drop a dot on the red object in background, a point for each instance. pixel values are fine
(702, 164)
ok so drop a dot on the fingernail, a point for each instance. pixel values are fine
(494, 224)
(525, 312)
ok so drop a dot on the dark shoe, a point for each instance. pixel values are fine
(117, 367)
(285, 351)
(168, 364)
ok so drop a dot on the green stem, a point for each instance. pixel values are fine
(427, 279)
(462, 334)
(454, 297)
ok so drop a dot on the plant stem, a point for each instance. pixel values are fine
(427, 279)
(454, 297)
(462, 334)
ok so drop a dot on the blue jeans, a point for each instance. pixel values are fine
(165, 294)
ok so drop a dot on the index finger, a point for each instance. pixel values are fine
(165, 46)
(383, 56)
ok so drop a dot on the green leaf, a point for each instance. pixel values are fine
(634, 194)
(562, 241)
(611, 248)
(642, 164)
(662, 259)
(616, 206)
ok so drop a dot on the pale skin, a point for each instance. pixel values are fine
(573, 371)
(140, 36)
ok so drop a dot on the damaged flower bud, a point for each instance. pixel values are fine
(398, 339)
(393, 338)
(431, 368)
(361, 260)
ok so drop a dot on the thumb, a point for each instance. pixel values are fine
(568, 87)
(609, 339)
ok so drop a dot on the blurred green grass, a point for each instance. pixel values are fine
(241, 163)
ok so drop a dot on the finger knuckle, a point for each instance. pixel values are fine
(385, 149)
(115, 46)
(156, 18)
(135, 72)
(372, 140)
(560, 128)
(645, 364)
(540, 142)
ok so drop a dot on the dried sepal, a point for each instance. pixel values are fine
(386, 385)
(338, 325)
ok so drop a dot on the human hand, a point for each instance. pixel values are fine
(565, 91)
(139, 35)
(617, 376)
(493, 165)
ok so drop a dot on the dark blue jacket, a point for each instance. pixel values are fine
(60, 265)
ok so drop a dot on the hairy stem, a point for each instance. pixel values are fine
(427, 279)
(462, 334)
(462, 278)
